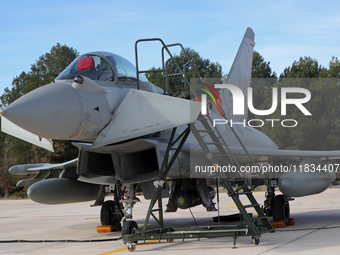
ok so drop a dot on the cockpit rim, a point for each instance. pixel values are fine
(101, 54)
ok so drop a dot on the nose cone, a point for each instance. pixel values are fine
(52, 111)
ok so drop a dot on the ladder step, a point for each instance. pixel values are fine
(245, 193)
(259, 218)
(251, 205)
(174, 149)
(218, 143)
(243, 187)
(237, 180)
(221, 156)
(263, 231)
(174, 74)
(205, 131)
(259, 184)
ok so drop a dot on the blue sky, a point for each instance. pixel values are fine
(284, 30)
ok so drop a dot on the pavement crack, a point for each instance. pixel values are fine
(300, 237)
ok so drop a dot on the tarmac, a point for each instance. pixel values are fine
(316, 229)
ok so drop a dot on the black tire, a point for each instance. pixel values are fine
(106, 213)
(281, 209)
(256, 240)
(129, 227)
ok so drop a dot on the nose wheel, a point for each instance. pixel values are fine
(130, 227)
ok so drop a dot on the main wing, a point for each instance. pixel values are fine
(270, 154)
(42, 171)
(18, 132)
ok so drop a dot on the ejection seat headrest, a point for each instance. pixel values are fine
(86, 63)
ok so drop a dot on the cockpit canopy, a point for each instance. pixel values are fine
(101, 66)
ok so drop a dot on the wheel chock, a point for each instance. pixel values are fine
(104, 229)
(278, 224)
(291, 222)
(282, 223)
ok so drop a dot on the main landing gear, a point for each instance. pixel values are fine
(113, 213)
(110, 214)
(281, 210)
(276, 206)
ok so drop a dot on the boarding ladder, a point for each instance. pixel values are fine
(217, 152)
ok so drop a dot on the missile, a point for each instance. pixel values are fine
(23, 169)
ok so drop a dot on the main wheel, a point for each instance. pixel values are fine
(106, 212)
(281, 209)
(108, 215)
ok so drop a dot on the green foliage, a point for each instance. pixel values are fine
(334, 69)
(317, 132)
(263, 78)
(14, 151)
(321, 131)
(63, 151)
(44, 71)
(261, 68)
(19, 194)
(155, 76)
(306, 67)
(205, 68)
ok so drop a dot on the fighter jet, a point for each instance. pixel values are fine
(121, 124)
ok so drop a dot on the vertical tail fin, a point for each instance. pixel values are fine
(239, 75)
